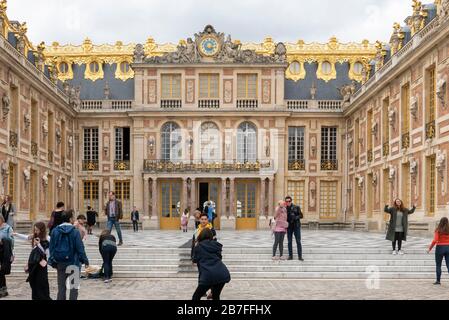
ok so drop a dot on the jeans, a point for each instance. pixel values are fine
(116, 223)
(440, 253)
(297, 232)
(62, 287)
(202, 289)
(135, 225)
(107, 253)
(398, 236)
(2, 280)
(278, 241)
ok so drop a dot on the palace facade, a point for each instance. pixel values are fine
(344, 128)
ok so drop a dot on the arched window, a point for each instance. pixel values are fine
(246, 143)
(171, 142)
(210, 142)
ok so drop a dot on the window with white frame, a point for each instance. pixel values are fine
(91, 144)
(246, 143)
(122, 143)
(329, 143)
(171, 142)
(295, 143)
(210, 142)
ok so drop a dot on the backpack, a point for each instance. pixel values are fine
(63, 252)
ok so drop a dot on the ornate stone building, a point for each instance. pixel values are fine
(342, 128)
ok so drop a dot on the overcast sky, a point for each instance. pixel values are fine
(106, 21)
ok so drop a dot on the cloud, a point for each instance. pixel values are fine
(106, 21)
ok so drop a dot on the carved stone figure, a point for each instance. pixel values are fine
(360, 181)
(440, 160)
(374, 128)
(6, 105)
(312, 187)
(313, 145)
(380, 55)
(27, 120)
(413, 167)
(267, 146)
(347, 91)
(228, 91)
(443, 9)
(59, 182)
(391, 116)
(139, 53)
(58, 135)
(374, 181)
(70, 141)
(66, 88)
(414, 106)
(441, 91)
(106, 91)
(71, 184)
(40, 58)
(27, 174)
(280, 53)
(396, 38)
(391, 172)
(45, 179)
(45, 128)
(313, 91)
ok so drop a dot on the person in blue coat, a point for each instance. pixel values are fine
(213, 273)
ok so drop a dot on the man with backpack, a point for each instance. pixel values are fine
(66, 255)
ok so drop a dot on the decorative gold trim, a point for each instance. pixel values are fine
(65, 76)
(94, 76)
(326, 76)
(302, 71)
(119, 74)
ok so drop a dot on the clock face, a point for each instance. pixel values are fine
(209, 46)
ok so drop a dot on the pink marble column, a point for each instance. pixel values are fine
(262, 196)
(223, 212)
(184, 203)
(146, 197)
(232, 197)
(271, 196)
(193, 200)
(154, 198)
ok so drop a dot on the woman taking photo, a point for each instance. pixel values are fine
(213, 274)
(280, 229)
(108, 248)
(441, 240)
(398, 226)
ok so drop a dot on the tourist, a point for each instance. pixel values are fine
(66, 249)
(294, 216)
(113, 210)
(135, 219)
(213, 273)
(37, 262)
(398, 226)
(441, 240)
(6, 254)
(197, 214)
(204, 224)
(8, 211)
(92, 216)
(108, 248)
(280, 229)
(80, 225)
(56, 216)
(185, 220)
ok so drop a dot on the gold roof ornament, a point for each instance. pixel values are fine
(417, 20)
(396, 40)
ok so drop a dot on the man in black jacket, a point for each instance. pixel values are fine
(294, 215)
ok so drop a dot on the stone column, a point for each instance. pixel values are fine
(231, 197)
(146, 197)
(193, 203)
(223, 212)
(262, 197)
(271, 196)
(153, 223)
(184, 203)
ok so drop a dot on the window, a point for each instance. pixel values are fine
(209, 86)
(94, 67)
(357, 138)
(246, 200)
(124, 67)
(171, 86)
(369, 124)
(326, 67)
(210, 142)
(122, 143)
(358, 68)
(91, 144)
(11, 180)
(91, 195)
(295, 143)
(246, 143)
(431, 175)
(385, 123)
(63, 67)
(51, 131)
(296, 190)
(405, 108)
(171, 142)
(122, 193)
(328, 199)
(295, 68)
(329, 143)
(247, 86)
(431, 93)
(171, 199)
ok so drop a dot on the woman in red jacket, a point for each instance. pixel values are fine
(441, 239)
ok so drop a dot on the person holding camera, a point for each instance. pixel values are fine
(294, 216)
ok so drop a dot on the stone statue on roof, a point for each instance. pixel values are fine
(139, 53)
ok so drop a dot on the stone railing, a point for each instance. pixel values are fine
(247, 103)
(106, 105)
(167, 166)
(171, 103)
(22, 60)
(91, 105)
(209, 103)
(121, 104)
(314, 105)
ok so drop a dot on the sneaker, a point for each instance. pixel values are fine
(273, 258)
(437, 283)
(395, 252)
(290, 258)
(300, 259)
(401, 252)
(282, 258)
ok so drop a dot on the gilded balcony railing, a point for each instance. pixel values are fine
(200, 166)
(121, 165)
(296, 165)
(405, 141)
(13, 139)
(386, 149)
(430, 130)
(90, 165)
(369, 155)
(329, 165)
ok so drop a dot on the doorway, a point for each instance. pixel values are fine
(209, 191)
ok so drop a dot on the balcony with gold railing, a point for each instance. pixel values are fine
(122, 165)
(297, 165)
(192, 166)
(405, 140)
(430, 130)
(13, 139)
(91, 165)
(34, 149)
(386, 149)
(369, 155)
(329, 165)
